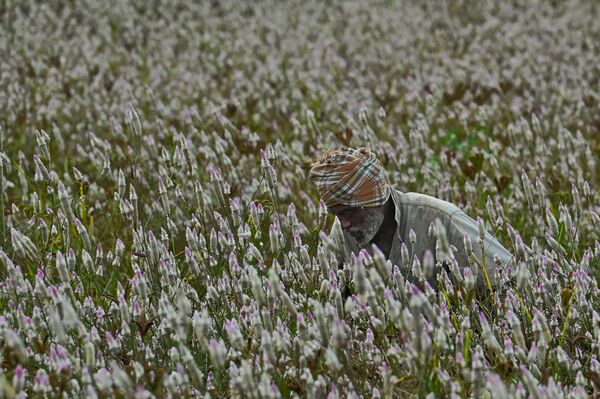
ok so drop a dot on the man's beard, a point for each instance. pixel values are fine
(366, 231)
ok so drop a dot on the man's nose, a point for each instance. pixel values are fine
(345, 223)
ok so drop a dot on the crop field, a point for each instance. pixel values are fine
(160, 235)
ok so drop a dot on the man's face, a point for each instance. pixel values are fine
(362, 223)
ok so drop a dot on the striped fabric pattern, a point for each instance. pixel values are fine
(352, 177)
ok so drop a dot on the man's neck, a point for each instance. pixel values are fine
(385, 236)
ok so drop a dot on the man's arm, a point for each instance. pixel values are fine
(461, 224)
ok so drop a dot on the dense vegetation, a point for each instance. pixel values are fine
(160, 235)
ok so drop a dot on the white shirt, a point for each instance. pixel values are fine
(417, 212)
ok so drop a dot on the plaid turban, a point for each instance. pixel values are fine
(352, 177)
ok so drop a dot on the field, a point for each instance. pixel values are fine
(160, 236)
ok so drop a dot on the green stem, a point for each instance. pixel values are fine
(485, 273)
(566, 324)
(525, 309)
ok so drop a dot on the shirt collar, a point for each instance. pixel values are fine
(397, 212)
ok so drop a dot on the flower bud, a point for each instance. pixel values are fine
(481, 230)
(552, 224)
(527, 186)
(85, 238)
(133, 120)
(412, 237)
(121, 183)
(274, 239)
(65, 201)
(576, 200)
(61, 266)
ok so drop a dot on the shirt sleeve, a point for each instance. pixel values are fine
(461, 224)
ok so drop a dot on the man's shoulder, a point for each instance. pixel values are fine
(410, 199)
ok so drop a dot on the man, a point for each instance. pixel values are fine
(352, 184)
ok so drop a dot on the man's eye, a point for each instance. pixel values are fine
(347, 213)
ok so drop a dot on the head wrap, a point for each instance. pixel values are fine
(352, 177)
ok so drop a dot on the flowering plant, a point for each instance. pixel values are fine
(159, 236)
